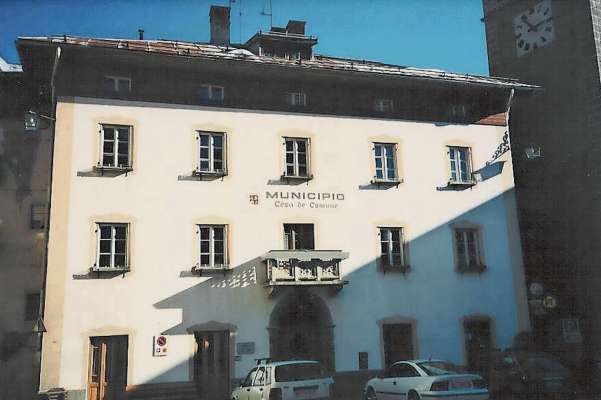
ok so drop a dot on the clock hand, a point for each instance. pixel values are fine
(541, 22)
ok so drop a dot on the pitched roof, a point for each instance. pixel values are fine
(238, 53)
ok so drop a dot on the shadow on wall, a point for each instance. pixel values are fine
(238, 299)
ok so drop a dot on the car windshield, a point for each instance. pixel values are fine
(437, 368)
(298, 372)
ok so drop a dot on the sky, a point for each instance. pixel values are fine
(442, 34)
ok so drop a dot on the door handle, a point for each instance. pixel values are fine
(248, 390)
(394, 383)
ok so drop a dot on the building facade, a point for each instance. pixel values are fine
(24, 180)
(259, 200)
(555, 44)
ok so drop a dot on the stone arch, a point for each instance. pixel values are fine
(300, 327)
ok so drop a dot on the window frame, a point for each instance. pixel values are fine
(115, 154)
(386, 260)
(384, 163)
(462, 260)
(295, 155)
(117, 85)
(212, 98)
(454, 166)
(211, 147)
(211, 253)
(112, 253)
(293, 96)
(296, 230)
(384, 105)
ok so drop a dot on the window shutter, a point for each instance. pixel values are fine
(224, 157)
(100, 145)
(226, 251)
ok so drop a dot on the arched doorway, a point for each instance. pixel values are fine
(300, 327)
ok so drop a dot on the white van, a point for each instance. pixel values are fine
(285, 380)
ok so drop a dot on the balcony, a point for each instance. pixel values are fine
(299, 268)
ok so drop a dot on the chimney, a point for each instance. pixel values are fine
(296, 27)
(220, 25)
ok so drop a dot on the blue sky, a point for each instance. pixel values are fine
(444, 34)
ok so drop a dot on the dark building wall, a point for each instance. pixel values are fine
(558, 194)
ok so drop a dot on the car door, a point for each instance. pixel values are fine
(408, 378)
(259, 385)
(388, 386)
(246, 385)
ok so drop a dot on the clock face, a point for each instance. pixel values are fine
(533, 28)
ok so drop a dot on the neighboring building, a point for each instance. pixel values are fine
(216, 204)
(557, 155)
(24, 178)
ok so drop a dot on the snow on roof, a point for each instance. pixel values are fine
(236, 52)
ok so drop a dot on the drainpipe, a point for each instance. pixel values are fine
(47, 230)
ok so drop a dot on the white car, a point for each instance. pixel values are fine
(285, 380)
(425, 379)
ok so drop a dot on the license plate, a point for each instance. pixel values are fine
(461, 384)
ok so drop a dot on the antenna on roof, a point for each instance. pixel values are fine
(269, 14)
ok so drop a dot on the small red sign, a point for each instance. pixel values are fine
(161, 341)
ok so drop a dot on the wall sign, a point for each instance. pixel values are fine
(159, 348)
(306, 200)
(570, 330)
(363, 360)
(245, 348)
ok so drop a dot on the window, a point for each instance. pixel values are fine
(460, 172)
(32, 306)
(385, 159)
(297, 99)
(467, 242)
(117, 84)
(297, 158)
(211, 94)
(402, 371)
(392, 247)
(383, 105)
(299, 237)
(38, 215)
(112, 246)
(213, 246)
(116, 146)
(211, 153)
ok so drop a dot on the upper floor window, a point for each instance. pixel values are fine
(112, 245)
(460, 165)
(297, 99)
(213, 246)
(211, 94)
(116, 146)
(383, 105)
(392, 247)
(467, 249)
(117, 84)
(299, 237)
(385, 160)
(211, 157)
(296, 154)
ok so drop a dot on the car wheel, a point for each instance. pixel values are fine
(413, 395)
(370, 394)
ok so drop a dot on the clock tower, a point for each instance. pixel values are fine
(556, 146)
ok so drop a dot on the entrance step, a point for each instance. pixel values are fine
(163, 391)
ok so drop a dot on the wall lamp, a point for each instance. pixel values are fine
(34, 121)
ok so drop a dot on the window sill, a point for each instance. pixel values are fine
(469, 183)
(111, 171)
(210, 102)
(109, 269)
(386, 182)
(290, 178)
(208, 176)
(403, 269)
(476, 269)
(200, 270)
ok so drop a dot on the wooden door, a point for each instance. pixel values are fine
(478, 346)
(107, 375)
(212, 364)
(398, 342)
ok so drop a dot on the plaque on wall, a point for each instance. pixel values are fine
(245, 348)
(363, 360)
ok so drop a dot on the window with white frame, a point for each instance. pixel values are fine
(392, 247)
(467, 249)
(112, 246)
(296, 154)
(115, 146)
(383, 105)
(213, 246)
(385, 160)
(297, 99)
(460, 165)
(117, 84)
(211, 152)
(211, 94)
